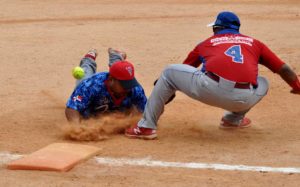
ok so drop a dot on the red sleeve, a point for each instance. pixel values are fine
(193, 58)
(269, 59)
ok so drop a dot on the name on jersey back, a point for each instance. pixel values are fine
(231, 39)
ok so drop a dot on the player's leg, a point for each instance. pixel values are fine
(88, 64)
(234, 120)
(115, 56)
(175, 77)
(238, 119)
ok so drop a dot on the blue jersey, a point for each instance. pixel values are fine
(91, 96)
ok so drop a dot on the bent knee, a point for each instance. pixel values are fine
(180, 68)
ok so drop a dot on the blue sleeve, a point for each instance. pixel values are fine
(81, 97)
(139, 98)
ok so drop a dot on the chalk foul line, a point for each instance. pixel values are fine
(192, 165)
(6, 157)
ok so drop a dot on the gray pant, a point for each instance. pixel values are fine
(90, 66)
(195, 84)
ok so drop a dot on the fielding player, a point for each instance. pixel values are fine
(228, 77)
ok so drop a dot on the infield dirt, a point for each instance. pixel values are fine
(41, 41)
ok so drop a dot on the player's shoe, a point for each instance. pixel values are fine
(246, 122)
(92, 54)
(121, 54)
(115, 56)
(141, 133)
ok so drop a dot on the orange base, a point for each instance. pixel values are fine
(55, 157)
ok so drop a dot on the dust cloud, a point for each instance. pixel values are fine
(97, 129)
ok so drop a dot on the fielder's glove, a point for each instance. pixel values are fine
(172, 96)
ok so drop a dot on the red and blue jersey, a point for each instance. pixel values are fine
(233, 56)
(93, 96)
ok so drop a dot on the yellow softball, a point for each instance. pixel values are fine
(78, 72)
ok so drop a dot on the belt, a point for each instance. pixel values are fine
(238, 85)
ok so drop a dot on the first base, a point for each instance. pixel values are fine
(55, 157)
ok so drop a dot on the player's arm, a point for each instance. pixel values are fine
(78, 102)
(193, 59)
(290, 77)
(73, 116)
(139, 98)
(271, 61)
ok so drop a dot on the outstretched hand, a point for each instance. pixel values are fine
(295, 92)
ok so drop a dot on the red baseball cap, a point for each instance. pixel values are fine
(123, 71)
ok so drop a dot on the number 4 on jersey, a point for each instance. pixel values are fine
(235, 53)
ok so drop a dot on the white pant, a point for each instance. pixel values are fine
(197, 85)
